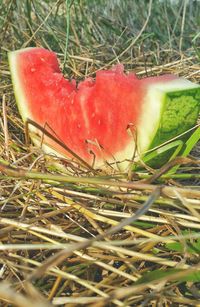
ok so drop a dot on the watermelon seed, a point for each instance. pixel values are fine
(131, 130)
(130, 126)
(87, 141)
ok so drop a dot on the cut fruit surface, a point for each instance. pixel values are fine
(103, 119)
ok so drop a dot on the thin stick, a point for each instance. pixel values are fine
(168, 166)
(68, 5)
(5, 125)
(183, 24)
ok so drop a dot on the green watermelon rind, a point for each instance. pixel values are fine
(180, 112)
(177, 113)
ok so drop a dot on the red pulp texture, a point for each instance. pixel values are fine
(91, 117)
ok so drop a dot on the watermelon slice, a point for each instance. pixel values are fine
(101, 120)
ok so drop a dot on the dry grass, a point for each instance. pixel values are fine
(70, 237)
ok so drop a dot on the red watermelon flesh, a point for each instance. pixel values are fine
(98, 117)
(83, 117)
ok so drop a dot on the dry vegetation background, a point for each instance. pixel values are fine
(71, 236)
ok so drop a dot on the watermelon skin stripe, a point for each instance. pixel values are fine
(179, 113)
(95, 115)
(176, 113)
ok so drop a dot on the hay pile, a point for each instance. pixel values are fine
(72, 237)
